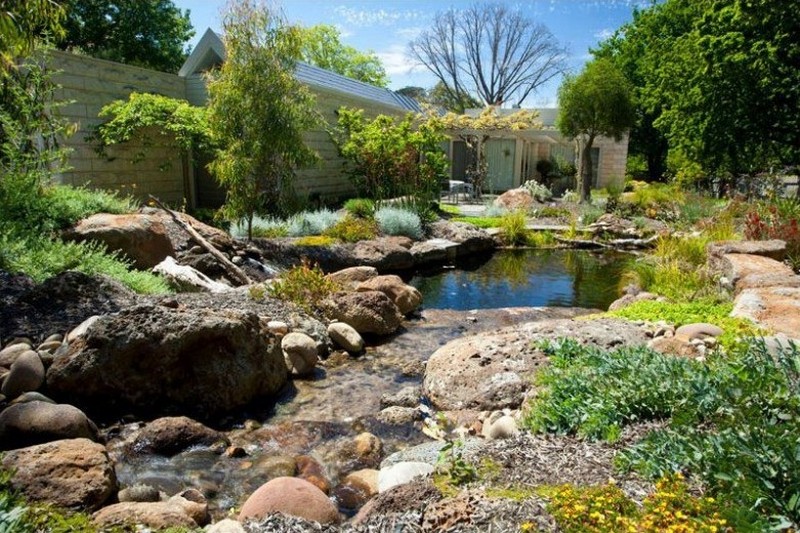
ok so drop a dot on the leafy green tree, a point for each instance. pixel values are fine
(23, 23)
(596, 102)
(322, 46)
(718, 79)
(391, 157)
(146, 33)
(258, 112)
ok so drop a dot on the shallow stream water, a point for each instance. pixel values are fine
(320, 416)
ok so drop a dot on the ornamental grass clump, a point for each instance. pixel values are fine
(513, 230)
(360, 207)
(312, 222)
(399, 222)
(264, 228)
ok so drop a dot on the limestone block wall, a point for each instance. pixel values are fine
(88, 84)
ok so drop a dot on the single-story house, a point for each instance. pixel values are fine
(89, 84)
(511, 156)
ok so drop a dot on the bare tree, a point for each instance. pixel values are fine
(490, 51)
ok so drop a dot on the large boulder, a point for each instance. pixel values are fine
(515, 200)
(154, 359)
(349, 278)
(73, 473)
(175, 512)
(290, 496)
(493, 371)
(173, 434)
(366, 312)
(141, 238)
(774, 249)
(471, 239)
(385, 253)
(405, 297)
(776, 308)
(36, 422)
(744, 270)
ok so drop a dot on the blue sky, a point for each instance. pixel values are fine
(387, 27)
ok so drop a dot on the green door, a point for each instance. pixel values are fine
(500, 164)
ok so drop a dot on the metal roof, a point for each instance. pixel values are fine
(211, 45)
(325, 79)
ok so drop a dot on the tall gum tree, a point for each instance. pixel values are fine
(597, 102)
(258, 112)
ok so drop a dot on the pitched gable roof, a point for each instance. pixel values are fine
(210, 51)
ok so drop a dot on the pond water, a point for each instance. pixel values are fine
(525, 278)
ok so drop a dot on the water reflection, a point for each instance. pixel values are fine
(526, 278)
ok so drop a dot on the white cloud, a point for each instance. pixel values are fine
(396, 62)
(410, 33)
(374, 17)
(603, 34)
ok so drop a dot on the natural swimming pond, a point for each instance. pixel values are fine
(526, 278)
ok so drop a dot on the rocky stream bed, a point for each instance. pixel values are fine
(193, 409)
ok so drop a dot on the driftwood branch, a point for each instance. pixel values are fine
(235, 272)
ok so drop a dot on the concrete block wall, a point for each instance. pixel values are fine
(88, 84)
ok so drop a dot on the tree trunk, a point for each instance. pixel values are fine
(586, 171)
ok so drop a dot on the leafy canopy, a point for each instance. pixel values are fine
(390, 157)
(179, 123)
(596, 102)
(718, 79)
(145, 33)
(260, 138)
(321, 46)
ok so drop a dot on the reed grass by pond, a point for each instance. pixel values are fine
(526, 278)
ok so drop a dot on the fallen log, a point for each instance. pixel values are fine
(235, 272)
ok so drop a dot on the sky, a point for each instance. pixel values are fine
(386, 27)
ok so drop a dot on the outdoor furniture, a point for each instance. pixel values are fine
(456, 187)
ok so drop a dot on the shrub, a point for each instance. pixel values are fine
(351, 229)
(360, 207)
(550, 211)
(570, 196)
(305, 285)
(732, 421)
(606, 508)
(745, 446)
(264, 228)
(590, 214)
(389, 157)
(494, 211)
(312, 222)
(778, 219)
(512, 228)
(396, 221)
(539, 191)
(41, 258)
